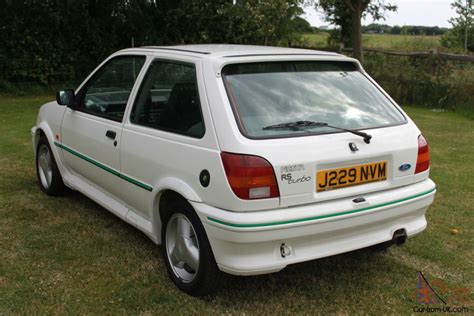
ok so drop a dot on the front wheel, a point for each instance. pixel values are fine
(187, 252)
(49, 178)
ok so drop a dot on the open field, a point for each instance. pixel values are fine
(380, 41)
(68, 255)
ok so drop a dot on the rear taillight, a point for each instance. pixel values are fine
(250, 177)
(423, 160)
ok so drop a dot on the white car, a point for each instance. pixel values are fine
(238, 159)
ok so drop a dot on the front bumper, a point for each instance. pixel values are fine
(249, 243)
(33, 138)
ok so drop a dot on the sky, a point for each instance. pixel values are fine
(410, 12)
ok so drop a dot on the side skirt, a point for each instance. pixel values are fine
(112, 205)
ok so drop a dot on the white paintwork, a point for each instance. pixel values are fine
(167, 161)
(250, 251)
(85, 133)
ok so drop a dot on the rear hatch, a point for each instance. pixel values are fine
(387, 162)
(292, 112)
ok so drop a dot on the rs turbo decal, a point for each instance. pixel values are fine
(104, 167)
(300, 220)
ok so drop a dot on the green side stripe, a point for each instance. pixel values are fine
(318, 217)
(136, 182)
(104, 167)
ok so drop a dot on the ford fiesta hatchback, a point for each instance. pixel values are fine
(238, 159)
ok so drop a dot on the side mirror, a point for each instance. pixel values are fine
(65, 97)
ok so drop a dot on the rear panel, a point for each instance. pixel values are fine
(297, 160)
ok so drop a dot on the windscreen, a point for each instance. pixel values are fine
(336, 93)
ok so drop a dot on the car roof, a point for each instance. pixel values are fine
(220, 55)
(229, 50)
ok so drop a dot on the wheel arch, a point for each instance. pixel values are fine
(170, 189)
(43, 129)
(38, 133)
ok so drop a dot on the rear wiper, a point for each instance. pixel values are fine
(300, 125)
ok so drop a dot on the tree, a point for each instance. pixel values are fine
(300, 25)
(264, 22)
(45, 41)
(461, 34)
(338, 14)
(348, 15)
(356, 9)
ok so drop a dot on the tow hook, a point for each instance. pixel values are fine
(285, 250)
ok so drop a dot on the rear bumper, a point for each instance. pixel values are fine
(249, 243)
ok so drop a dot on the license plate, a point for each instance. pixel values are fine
(345, 177)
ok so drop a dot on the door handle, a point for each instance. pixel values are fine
(111, 134)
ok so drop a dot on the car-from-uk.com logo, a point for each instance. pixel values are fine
(438, 297)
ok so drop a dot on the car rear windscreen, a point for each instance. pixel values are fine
(337, 93)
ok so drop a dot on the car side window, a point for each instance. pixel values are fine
(106, 93)
(168, 99)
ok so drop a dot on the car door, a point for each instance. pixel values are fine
(91, 131)
(166, 132)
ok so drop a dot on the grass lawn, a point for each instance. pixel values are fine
(380, 41)
(68, 255)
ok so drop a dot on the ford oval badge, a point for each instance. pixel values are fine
(404, 167)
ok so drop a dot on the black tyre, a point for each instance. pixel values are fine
(47, 172)
(187, 252)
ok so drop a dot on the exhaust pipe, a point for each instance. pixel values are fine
(399, 237)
